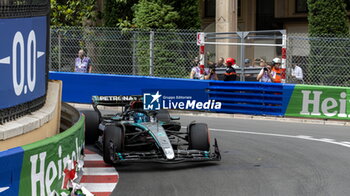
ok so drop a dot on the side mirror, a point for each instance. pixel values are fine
(174, 117)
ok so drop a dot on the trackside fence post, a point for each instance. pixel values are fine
(151, 53)
(134, 44)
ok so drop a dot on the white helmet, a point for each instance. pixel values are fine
(276, 60)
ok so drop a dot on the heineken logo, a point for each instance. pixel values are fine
(44, 174)
(315, 104)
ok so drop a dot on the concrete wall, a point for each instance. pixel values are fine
(37, 126)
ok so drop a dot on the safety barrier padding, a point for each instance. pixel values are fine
(255, 98)
(79, 88)
(37, 168)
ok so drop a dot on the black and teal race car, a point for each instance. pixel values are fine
(138, 135)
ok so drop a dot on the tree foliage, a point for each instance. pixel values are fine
(188, 11)
(328, 23)
(118, 12)
(154, 15)
(327, 18)
(122, 13)
(73, 12)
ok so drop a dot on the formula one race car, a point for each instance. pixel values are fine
(137, 135)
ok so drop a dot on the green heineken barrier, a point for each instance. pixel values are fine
(44, 161)
(319, 102)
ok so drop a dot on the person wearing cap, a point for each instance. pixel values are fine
(247, 63)
(230, 73)
(276, 70)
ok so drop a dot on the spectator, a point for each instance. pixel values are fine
(82, 63)
(221, 63)
(198, 72)
(230, 74)
(234, 64)
(211, 73)
(266, 74)
(297, 74)
(247, 63)
(276, 71)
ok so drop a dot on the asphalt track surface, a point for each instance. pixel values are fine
(258, 158)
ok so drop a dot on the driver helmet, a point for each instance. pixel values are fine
(140, 117)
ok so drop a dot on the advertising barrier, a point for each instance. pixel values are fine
(38, 168)
(255, 98)
(320, 102)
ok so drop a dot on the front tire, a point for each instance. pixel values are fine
(92, 121)
(198, 137)
(113, 141)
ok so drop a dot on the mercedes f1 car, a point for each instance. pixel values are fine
(138, 135)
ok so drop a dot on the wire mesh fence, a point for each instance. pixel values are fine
(138, 52)
(324, 60)
(170, 53)
(23, 8)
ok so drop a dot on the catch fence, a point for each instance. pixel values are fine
(170, 53)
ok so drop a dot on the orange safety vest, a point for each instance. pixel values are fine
(278, 76)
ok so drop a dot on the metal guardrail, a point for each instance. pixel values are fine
(247, 70)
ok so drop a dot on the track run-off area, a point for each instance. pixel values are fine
(259, 157)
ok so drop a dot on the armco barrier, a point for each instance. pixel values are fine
(37, 169)
(236, 97)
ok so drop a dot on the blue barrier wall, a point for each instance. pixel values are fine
(236, 97)
(79, 87)
(256, 98)
(10, 171)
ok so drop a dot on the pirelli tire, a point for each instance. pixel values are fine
(91, 126)
(198, 137)
(113, 142)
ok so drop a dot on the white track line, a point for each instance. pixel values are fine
(93, 157)
(303, 137)
(99, 187)
(100, 171)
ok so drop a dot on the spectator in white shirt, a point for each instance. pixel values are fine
(297, 74)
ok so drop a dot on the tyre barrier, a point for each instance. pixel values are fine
(37, 168)
(254, 98)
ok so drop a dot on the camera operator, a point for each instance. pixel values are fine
(212, 72)
(266, 74)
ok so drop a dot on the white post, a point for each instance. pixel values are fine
(151, 53)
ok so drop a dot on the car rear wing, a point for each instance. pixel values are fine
(121, 100)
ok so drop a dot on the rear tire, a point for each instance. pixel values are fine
(113, 141)
(199, 137)
(91, 126)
